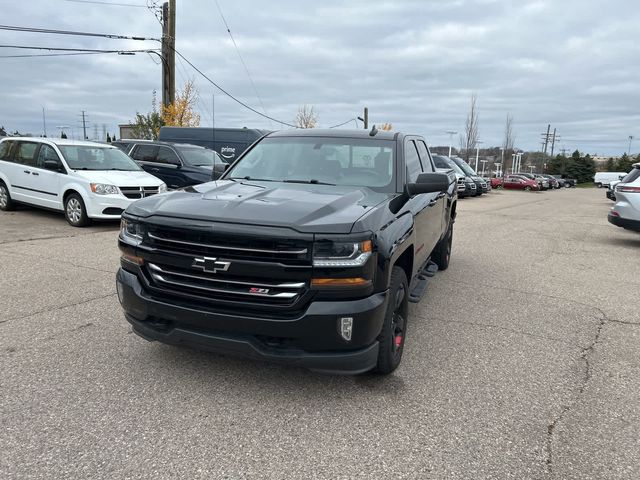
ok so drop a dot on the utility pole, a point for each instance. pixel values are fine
(629, 149)
(44, 123)
(366, 118)
(477, 154)
(546, 139)
(553, 141)
(168, 52)
(84, 126)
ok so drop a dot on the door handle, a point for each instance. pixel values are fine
(35, 173)
(433, 202)
(27, 172)
(154, 169)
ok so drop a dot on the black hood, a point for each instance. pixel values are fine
(303, 207)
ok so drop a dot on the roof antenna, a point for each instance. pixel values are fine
(373, 131)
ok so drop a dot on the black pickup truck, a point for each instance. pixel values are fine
(306, 251)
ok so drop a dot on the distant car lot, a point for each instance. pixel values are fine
(512, 371)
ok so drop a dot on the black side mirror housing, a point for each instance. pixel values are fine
(429, 183)
(53, 165)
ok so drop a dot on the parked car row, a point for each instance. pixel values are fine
(470, 184)
(532, 181)
(626, 211)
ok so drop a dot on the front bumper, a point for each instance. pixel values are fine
(626, 223)
(310, 341)
(107, 207)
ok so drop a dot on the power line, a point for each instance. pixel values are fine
(52, 54)
(343, 123)
(230, 95)
(114, 4)
(81, 50)
(71, 32)
(246, 69)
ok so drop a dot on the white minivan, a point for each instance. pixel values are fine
(604, 179)
(86, 180)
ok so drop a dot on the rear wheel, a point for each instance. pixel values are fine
(527, 188)
(6, 203)
(394, 328)
(441, 255)
(599, 185)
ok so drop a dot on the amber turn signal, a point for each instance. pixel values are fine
(133, 259)
(339, 282)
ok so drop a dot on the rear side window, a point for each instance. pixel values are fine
(5, 150)
(145, 153)
(424, 156)
(632, 176)
(26, 153)
(412, 161)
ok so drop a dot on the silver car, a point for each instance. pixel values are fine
(626, 212)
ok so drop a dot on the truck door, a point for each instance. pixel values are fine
(421, 207)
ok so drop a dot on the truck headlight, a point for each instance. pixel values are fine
(327, 253)
(104, 189)
(130, 230)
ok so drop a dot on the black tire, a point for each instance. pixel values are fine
(441, 255)
(75, 212)
(394, 328)
(599, 185)
(6, 204)
(527, 188)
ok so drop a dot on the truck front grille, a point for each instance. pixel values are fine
(215, 286)
(281, 250)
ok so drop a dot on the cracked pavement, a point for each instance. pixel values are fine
(521, 362)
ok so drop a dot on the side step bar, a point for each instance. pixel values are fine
(422, 281)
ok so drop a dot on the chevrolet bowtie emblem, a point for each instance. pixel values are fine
(210, 264)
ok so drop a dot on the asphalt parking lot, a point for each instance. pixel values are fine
(521, 362)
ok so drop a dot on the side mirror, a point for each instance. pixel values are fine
(52, 165)
(429, 183)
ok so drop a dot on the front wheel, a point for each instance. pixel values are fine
(75, 211)
(394, 328)
(599, 185)
(6, 204)
(527, 188)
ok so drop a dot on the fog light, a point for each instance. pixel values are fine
(346, 328)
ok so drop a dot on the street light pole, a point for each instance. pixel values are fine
(477, 154)
(451, 134)
(513, 163)
(629, 149)
(483, 162)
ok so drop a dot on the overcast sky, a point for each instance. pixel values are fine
(573, 64)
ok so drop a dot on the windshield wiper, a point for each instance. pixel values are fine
(312, 181)
(251, 178)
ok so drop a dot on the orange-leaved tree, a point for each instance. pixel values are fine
(181, 112)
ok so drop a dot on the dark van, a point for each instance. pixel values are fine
(228, 142)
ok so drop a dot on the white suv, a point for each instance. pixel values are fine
(86, 180)
(626, 212)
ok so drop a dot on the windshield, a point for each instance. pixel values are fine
(465, 167)
(85, 157)
(199, 157)
(336, 161)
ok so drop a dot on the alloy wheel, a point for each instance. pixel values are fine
(399, 320)
(4, 196)
(74, 210)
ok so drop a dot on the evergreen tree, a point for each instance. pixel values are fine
(108, 138)
(624, 164)
(63, 135)
(611, 165)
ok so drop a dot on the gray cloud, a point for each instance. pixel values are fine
(413, 63)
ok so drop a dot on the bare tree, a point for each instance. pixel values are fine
(306, 117)
(508, 141)
(469, 139)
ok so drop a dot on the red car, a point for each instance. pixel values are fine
(496, 182)
(519, 183)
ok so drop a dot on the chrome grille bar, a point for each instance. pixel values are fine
(241, 249)
(164, 270)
